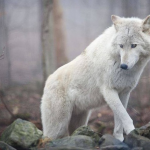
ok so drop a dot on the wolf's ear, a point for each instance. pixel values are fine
(146, 25)
(116, 21)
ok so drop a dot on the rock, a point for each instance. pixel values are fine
(144, 130)
(78, 141)
(22, 134)
(85, 130)
(137, 148)
(66, 148)
(135, 140)
(4, 146)
(140, 137)
(109, 142)
(115, 147)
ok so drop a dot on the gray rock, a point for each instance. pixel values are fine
(115, 147)
(140, 137)
(85, 130)
(137, 148)
(67, 148)
(22, 134)
(78, 141)
(4, 146)
(110, 142)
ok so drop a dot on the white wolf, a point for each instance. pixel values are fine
(110, 67)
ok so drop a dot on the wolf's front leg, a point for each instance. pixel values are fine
(112, 98)
(118, 129)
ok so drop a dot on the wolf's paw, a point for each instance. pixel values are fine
(128, 126)
(129, 129)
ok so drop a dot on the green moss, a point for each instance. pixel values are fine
(85, 130)
(21, 133)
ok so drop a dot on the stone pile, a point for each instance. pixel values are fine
(23, 135)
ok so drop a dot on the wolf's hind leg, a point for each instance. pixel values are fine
(56, 116)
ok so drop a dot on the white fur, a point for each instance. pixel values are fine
(77, 87)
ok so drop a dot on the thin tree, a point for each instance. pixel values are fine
(48, 51)
(59, 35)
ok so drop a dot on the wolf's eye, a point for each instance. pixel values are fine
(121, 45)
(133, 45)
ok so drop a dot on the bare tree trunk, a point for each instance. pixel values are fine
(47, 39)
(5, 75)
(61, 58)
(53, 39)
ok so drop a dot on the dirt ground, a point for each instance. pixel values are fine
(24, 102)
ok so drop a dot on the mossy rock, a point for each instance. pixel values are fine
(4, 146)
(85, 130)
(144, 131)
(22, 134)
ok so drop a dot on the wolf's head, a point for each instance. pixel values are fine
(132, 40)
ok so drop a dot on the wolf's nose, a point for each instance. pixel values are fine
(124, 66)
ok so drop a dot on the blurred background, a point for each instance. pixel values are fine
(38, 36)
